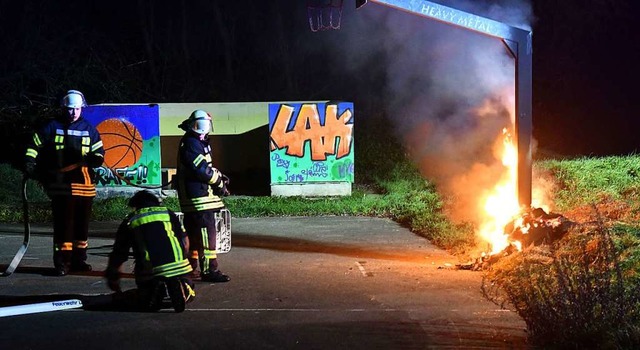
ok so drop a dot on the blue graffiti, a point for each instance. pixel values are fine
(346, 169)
(293, 177)
(318, 169)
(280, 163)
(108, 176)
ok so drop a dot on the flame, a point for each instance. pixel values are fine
(501, 205)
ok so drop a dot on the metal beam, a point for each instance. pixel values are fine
(519, 42)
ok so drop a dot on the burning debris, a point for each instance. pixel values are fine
(534, 227)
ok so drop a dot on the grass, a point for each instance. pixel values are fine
(584, 181)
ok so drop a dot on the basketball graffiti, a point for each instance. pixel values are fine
(131, 138)
(122, 142)
(311, 142)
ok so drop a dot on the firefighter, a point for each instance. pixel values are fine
(160, 248)
(200, 190)
(62, 155)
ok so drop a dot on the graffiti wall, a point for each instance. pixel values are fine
(131, 138)
(311, 142)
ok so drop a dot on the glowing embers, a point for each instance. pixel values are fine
(532, 228)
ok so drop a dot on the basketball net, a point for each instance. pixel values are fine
(324, 14)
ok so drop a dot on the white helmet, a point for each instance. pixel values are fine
(74, 99)
(201, 122)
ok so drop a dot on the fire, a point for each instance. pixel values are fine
(501, 205)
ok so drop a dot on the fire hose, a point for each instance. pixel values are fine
(225, 179)
(27, 231)
(122, 178)
(27, 228)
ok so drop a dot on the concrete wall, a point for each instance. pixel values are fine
(240, 142)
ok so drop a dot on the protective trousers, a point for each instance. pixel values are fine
(71, 216)
(201, 229)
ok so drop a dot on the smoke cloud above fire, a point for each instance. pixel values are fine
(449, 92)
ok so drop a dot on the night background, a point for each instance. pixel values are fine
(585, 56)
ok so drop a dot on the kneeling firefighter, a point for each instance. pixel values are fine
(159, 245)
(200, 190)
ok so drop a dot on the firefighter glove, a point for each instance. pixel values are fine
(93, 160)
(113, 279)
(221, 189)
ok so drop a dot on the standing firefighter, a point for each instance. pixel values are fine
(200, 187)
(65, 151)
(160, 246)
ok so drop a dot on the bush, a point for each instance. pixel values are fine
(579, 293)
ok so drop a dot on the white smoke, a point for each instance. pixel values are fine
(450, 91)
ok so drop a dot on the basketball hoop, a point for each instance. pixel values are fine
(324, 14)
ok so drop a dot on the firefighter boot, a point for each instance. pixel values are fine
(216, 277)
(177, 293)
(152, 298)
(79, 257)
(61, 262)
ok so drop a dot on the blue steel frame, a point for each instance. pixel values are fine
(519, 43)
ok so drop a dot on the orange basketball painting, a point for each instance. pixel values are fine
(122, 142)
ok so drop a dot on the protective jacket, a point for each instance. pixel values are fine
(66, 154)
(199, 183)
(159, 245)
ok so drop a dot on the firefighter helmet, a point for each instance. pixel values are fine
(74, 99)
(200, 121)
(144, 199)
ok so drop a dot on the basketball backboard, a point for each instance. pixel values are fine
(327, 14)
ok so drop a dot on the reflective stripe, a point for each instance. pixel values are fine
(83, 193)
(76, 132)
(31, 153)
(210, 254)
(215, 176)
(87, 177)
(189, 205)
(80, 190)
(204, 233)
(199, 159)
(96, 146)
(147, 215)
(36, 140)
(65, 246)
(173, 269)
(175, 244)
(80, 244)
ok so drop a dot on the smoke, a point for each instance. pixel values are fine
(448, 91)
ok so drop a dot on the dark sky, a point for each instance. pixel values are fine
(585, 60)
(586, 56)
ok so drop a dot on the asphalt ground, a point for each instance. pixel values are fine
(296, 283)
